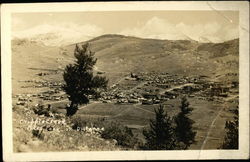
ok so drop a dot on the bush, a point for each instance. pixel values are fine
(76, 141)
(79, 121)
(231, 139)
(122, 134)
(38, 133)
(41, 110)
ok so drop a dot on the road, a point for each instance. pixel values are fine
(177, 86)
(136, 106)
(53, 102)
(231, 97)
(92, 103)
(119, 114)
(137, 86)
(210, 129)
(214, 120)
(117, 82)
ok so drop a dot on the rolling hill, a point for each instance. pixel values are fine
(119, 55)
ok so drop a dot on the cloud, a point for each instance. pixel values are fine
(162, 29)
(16, 22)
(155, 28)
(60, 34)
(231, 32)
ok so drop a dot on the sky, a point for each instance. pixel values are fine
(173, 25)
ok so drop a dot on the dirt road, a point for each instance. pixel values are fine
(174, 87)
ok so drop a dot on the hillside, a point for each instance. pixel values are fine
(119, 55)
(182, 57)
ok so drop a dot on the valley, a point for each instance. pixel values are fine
(142, 73)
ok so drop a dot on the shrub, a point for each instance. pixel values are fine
(231, 139)
(38, 133)
(41, 110)
(122, 134)
(76, 141)
(79, 121)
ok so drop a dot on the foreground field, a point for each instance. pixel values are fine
(209, 117)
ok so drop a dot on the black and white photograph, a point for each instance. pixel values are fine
(99, 79)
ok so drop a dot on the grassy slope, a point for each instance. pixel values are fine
(118, 55)
(62, 140)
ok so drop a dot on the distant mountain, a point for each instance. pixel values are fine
(58, 34)
(53, 39)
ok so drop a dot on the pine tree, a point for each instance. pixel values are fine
(184, 130)
(160, 135)
(79, 79)
(231, 140)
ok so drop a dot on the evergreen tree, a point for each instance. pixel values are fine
(184, 130)
(160, 135)
(79, 79)
(231, 140)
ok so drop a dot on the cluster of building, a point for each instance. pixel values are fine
(161, 87)
(42, 74)
(24, 99)
(48, 84)
(54, 95)
(40, 84)
(149, 91)
(145, 88)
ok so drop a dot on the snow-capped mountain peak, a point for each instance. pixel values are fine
(58, 35)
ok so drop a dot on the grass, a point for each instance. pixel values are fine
(102, 109)
(133, 116)
(138, 116)
(77, 141)
(62, 138)
(125, 113)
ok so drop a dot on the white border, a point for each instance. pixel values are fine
(242, 153)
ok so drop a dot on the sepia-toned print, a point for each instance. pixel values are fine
(88, 81)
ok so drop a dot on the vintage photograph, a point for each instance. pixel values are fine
(140, 80)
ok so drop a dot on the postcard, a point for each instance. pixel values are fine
(125, 80)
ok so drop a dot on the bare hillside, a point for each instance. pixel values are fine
(119, 55)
